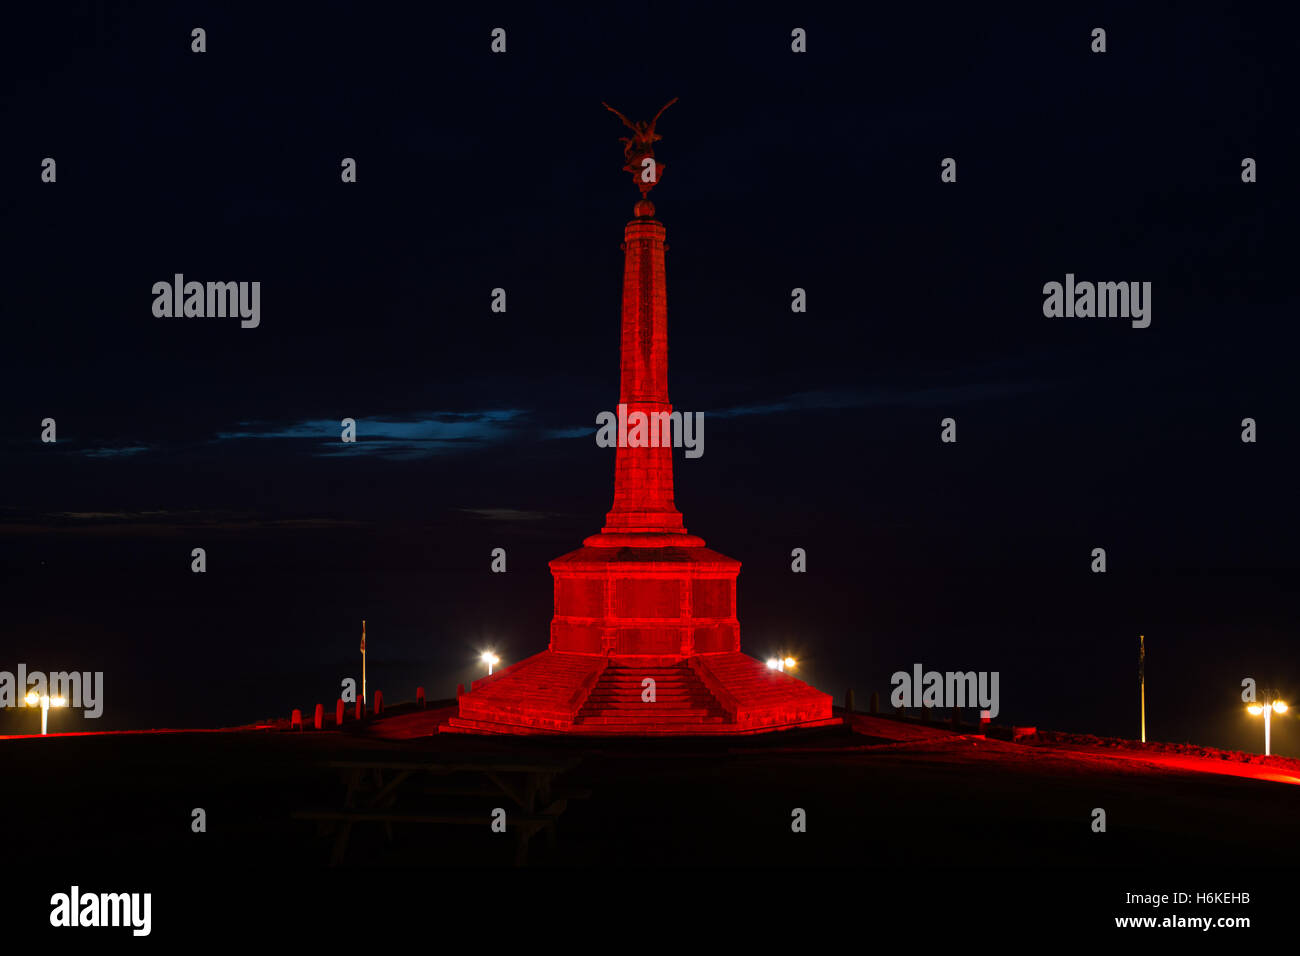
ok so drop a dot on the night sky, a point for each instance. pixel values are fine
(820, 171)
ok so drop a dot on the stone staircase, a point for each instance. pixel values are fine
(681, 703)
(589, 695)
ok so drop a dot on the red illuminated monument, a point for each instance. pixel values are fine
(643, 604)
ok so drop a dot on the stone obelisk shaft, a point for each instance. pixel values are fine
(643, 475)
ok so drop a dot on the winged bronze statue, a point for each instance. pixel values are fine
(641, 143)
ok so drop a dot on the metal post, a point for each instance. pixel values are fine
(1142, 682)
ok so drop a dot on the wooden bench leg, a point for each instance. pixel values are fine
(341, 844)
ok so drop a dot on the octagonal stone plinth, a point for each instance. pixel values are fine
(644, 601)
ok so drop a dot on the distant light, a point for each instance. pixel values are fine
(773, 664)
(789, 662)
(490, 660)
(46, 702)
(1267, 710)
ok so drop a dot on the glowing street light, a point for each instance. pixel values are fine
(46, 702)
(781, 664)
(490, 659)
(1267, 711)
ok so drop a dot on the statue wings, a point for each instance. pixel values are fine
(632, 126)
(626, 121)
(661, 111)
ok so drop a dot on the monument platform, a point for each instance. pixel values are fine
(719, 694)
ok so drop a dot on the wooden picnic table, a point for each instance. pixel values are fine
(374, 786)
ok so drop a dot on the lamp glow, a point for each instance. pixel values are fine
(490, 660)
(46, 702)
(1267, 710)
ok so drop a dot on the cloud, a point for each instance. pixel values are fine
(423, 435)
(832, 399)
(884, 397)
(506, 514)
(119, 452)
(570, 432)
(159, 523)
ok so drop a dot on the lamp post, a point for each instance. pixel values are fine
(1142, 681)
(781, 664)
(363, 664)
(46, 702)
(490, 659)
(1267, 711)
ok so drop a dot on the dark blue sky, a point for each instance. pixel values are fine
(822, 430)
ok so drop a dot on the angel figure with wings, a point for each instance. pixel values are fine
(641, 143)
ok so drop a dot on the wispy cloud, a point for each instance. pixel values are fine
(419, 436)
(158, 523)
(884, 397)
(571, 432)
(506, 514)
(119, 452)
(832, 399)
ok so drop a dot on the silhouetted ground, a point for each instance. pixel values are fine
(880, 796)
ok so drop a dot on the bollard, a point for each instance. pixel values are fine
(338, 713)
(320, 716)
(848, 700)
(419, 697)
(379, 702)
(985, 722)
(295, 720)
(875, 702)
(361, 709)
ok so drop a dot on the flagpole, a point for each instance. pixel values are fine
(1142, 682)
(363, 664)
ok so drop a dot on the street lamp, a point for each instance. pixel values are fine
(490, 659)
(781, 664)
(46, 702)
(1267, 711)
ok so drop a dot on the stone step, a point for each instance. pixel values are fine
(601, 690)
(636, 681)
(660, 691)
(608, 720)
(659, 698)
(653, 712)
(681, 700)
(658, 707)
(637, 678)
